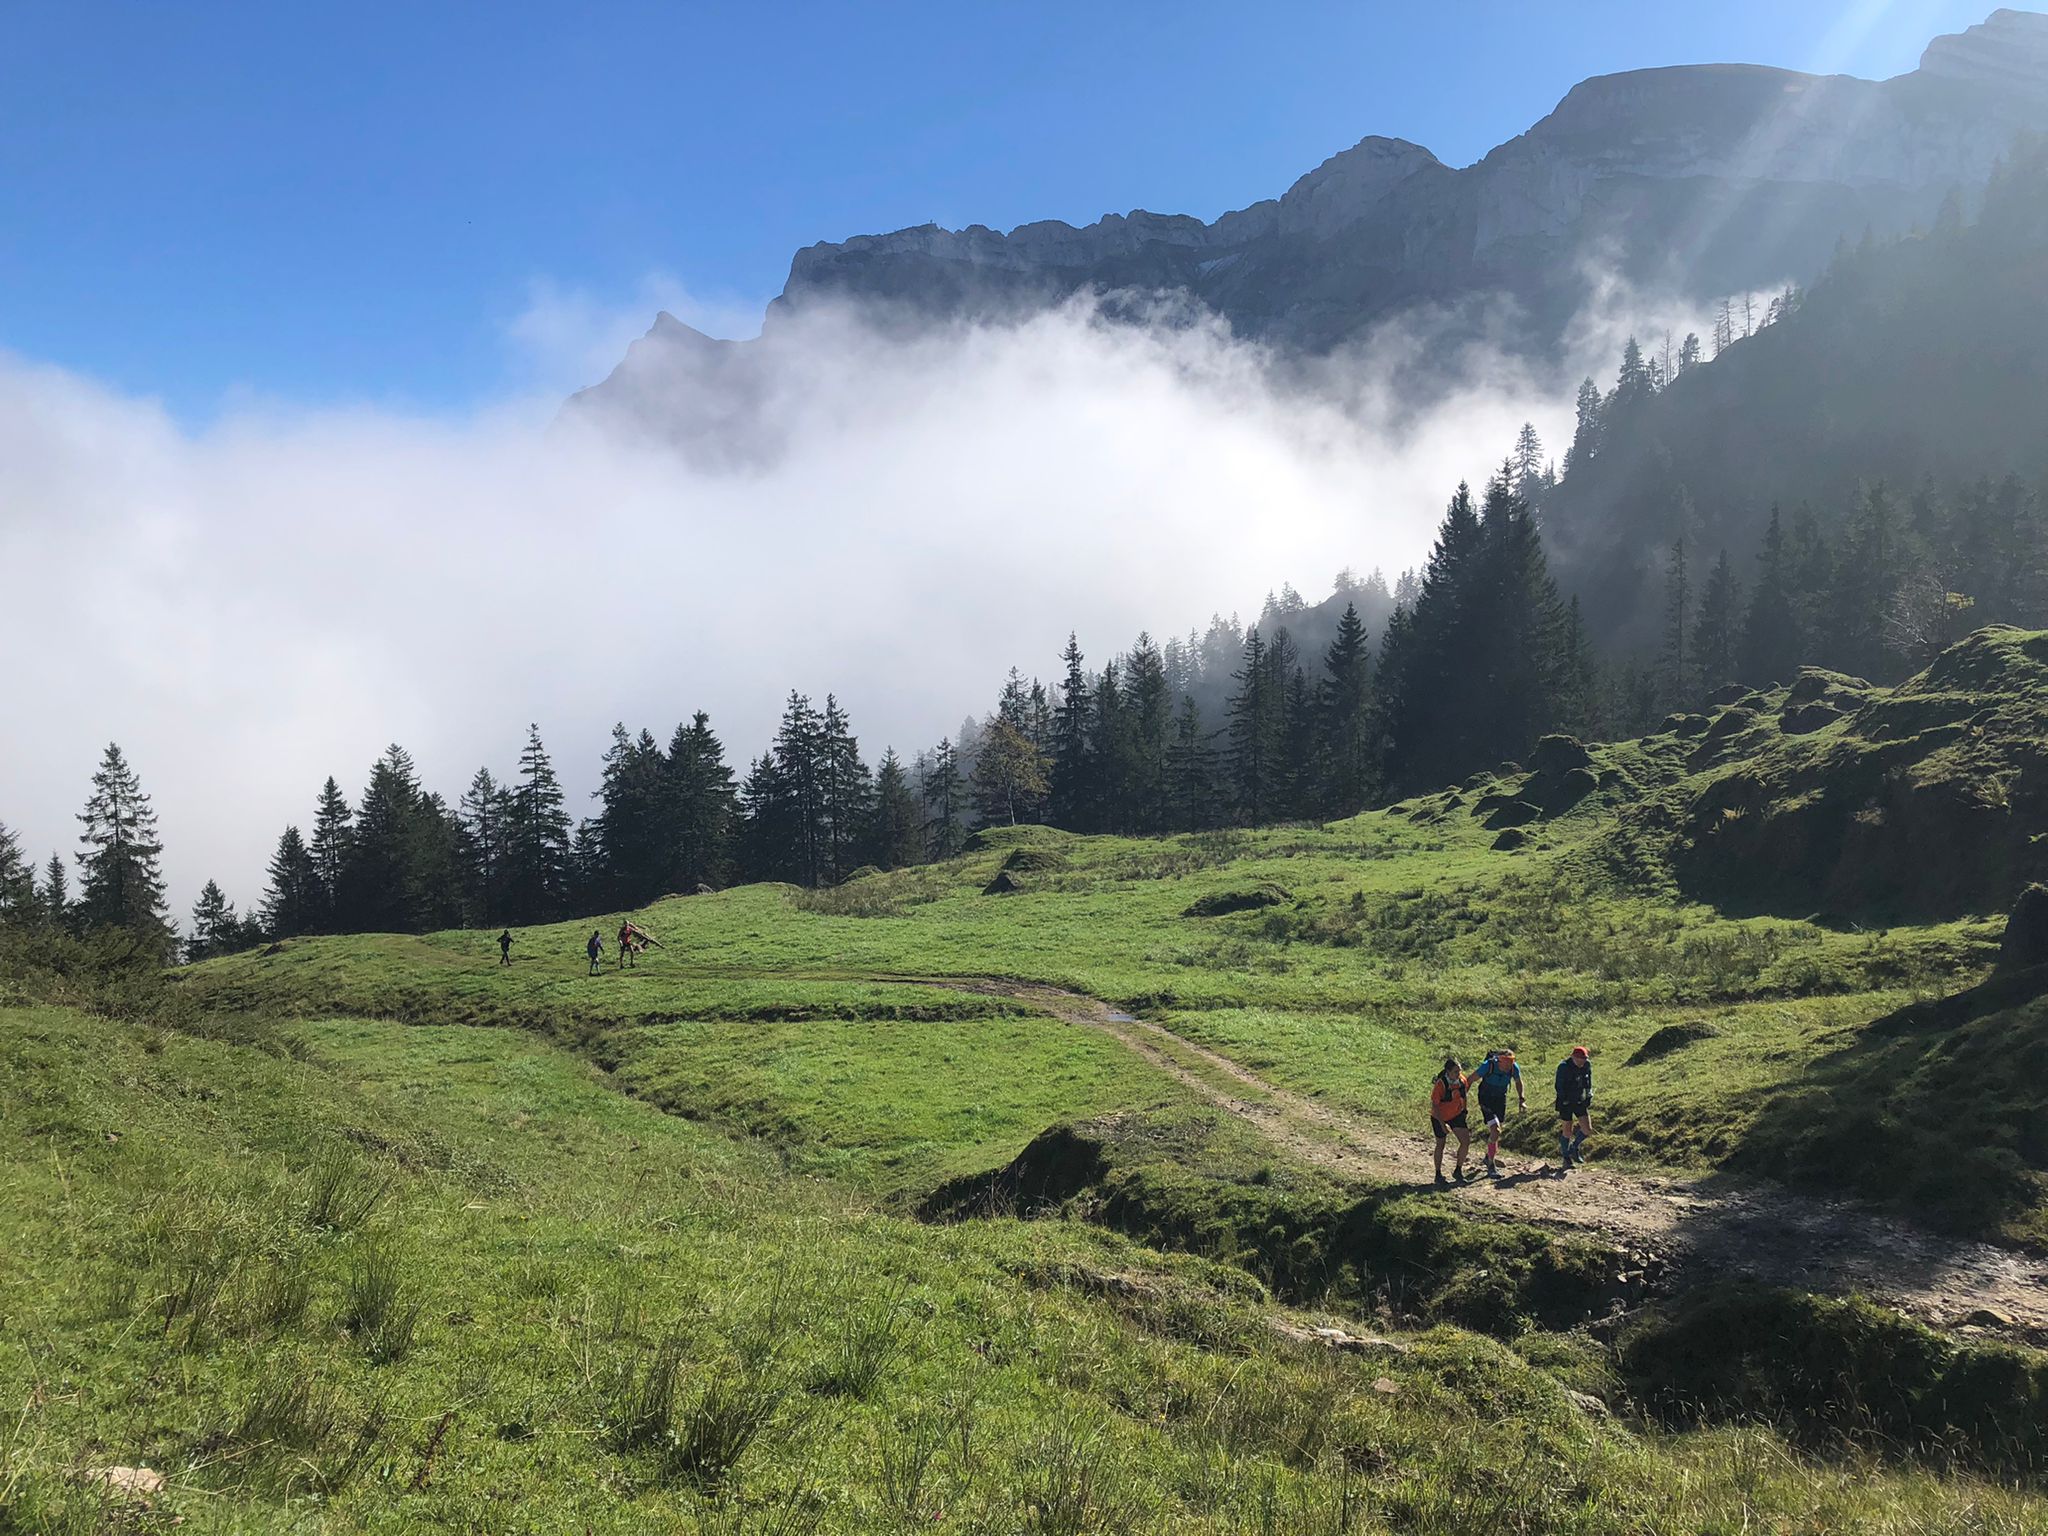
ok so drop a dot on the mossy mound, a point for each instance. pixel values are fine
(1672, 1037)
(1034, 860)
(1924, 804)
(1248, 899)
(1510, 840)
(1826, 1371)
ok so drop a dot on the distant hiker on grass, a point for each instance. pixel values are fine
(595, 949)
(505, 947)
(1447, 1115)
(629, 951)
(1574, 1105)
(1495, 1075)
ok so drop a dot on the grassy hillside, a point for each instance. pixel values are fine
(355, 1275)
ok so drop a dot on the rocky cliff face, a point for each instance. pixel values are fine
(1703, 179)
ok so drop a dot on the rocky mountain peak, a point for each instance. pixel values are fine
(2009, 50)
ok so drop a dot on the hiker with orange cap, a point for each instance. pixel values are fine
(1495, 1076)
(1447, 1114)
(1574, 1106)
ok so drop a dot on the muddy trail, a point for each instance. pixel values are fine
(1686, 1229)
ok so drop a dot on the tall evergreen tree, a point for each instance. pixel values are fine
(702, 808)
(1147, 723)
(1073, 791)
(484, 810)
(1716, 630)
(1586, 436)
(1254, 711)
(1191, 787)
(377, 874)
(333, 825)
(215, 928)
(1866, 579)
(893, 840)
(1679, 674)
(1109, 753)
(536, 839)
(1344, 719)
(291, 902)
(18, 901)
(56, 893)
(846, 791)
(627, 867)
(1771, 642)
(945, 797)
(122, 882)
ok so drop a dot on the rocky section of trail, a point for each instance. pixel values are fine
(1672, 1228)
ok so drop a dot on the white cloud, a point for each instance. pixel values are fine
(249, 608)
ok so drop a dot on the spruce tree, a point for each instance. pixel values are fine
(1300, 782)
(1771, 643)
(1679, 682)
(1522, 667)
(18, 902)
(1344, 719)
(1191, 787)
(846, 790)
(1867, 574)
(1147, 722)
(765, 822)
(56, 893)
(893, 840)
(1073, 792)
(1527, 462)
(1254, 711)
(945, 799)
(483, 812)
(1714, 633)
(627, 868)
(1435, 678)
(702, 808)
(377, 874)
(291, 901)
(215, 928)
(333, 825)
(121, 883)
(536, 839)
(1586, 435)
(1109, 753)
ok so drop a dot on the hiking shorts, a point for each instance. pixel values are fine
(1444, 1128)
(1572, 1111)
(1493, 1106)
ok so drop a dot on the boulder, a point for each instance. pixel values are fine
(1004, 884)
(1672, 1037)
(1516, 813)
(2026, 931)
(1510, 840)
(1728, 693)
(1559, 754)
(1804, 719)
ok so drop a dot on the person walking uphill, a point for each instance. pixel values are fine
(505, 947)
(1447, 1115)
(1574, 1105)
(1495, 1076)
(595, 949)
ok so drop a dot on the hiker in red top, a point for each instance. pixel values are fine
(629, 945)
(1447, 1114)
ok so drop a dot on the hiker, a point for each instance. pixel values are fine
(1494, 1077)
(505, 947)
(1574, 1106)
(629, 950)
(595, 949)
(1447, 1115)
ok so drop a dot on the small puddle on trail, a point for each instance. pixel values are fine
(1122, 1018)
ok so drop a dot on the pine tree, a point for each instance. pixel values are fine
(1633, 384)
(122, 882)
(1771, 642)
(1585, 438)
(767, 820)
(1724, 326)
(893, 839)
(536, 839)
(376, 875)
(1073, 789)
(627, 866)
(1527, 462)
(846, 791)
(1714, 632)
(18, 902)
(291, 902)
(1147, 722)
(333, 825)
(215, 928)
(56, 893)
(483, 810)
(1433, 679)
(1679, 687)
(702, 808)
(1522, 668)
(1344, 719)
(1866, 580)
(945, 797)
(1191, 788)
(1296, 764)
(1254, 711)
(1689, 353)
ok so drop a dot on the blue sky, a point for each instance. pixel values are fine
(313, 202)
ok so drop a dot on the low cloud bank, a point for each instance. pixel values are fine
(251, 607)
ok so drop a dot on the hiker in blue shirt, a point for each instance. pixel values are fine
(595, 949)
(1495, 1076)
(1574, 1106)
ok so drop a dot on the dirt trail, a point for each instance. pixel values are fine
(1708, 1226)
